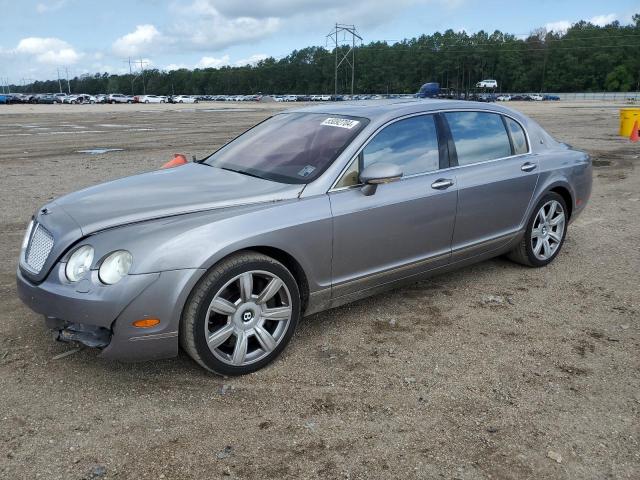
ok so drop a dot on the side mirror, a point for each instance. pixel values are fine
(377, 174)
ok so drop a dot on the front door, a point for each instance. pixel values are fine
(405, 227)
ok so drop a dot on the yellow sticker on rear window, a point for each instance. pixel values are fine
(340, 122)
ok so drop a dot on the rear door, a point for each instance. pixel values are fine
(496, 177)
(404, 228)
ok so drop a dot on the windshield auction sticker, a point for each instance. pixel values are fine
(340, 122)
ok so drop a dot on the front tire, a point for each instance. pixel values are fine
(545, 233)
(241, 315)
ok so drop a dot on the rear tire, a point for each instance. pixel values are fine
(241, 315)
(545, 233)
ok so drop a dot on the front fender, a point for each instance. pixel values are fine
(302, 228)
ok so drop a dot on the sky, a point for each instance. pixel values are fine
(38, 38)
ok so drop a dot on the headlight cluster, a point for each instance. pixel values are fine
(79, 263)
(113, 268)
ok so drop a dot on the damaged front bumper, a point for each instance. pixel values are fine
(87, 335)
(101, 316)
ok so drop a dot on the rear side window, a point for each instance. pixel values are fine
(478, 136)
(412, 144)
(517, 136)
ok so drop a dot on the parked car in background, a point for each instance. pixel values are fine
(487, 84)
(225, 255)
(537, 97)
(429, 90)
(551, 97)
(79, 98)
(47, 98)
(20, 97)
(119, 98)
(150, 99)
(184, 99)
(503, 98)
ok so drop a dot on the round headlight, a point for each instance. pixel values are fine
(115, 266)
(79, 263)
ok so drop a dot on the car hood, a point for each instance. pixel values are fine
(190, 188)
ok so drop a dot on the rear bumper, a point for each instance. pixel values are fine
(99, 315)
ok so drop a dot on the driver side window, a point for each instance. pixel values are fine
(412, 144)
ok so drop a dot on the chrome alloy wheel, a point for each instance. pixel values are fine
(548, 230)
(243, 326)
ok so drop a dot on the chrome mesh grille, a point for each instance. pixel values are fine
(39, 248)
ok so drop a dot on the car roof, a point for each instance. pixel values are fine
(383, 110)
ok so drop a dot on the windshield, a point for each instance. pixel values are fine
(289, 147)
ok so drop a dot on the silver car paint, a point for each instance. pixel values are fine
(177, 223)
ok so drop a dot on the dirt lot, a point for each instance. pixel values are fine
(489, 372)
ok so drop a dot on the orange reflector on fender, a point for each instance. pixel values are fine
(146, 323)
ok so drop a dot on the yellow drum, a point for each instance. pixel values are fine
(628, 116)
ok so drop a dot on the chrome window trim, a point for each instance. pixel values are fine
(432, 112)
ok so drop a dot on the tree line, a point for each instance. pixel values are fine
(586, 57)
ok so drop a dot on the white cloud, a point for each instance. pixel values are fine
(560, 26)
(50, 6)
(602, 20)
(252, 60)
(139, 41)
(175, 66)
(364, 13)
(48, 50)
(200, 26)
(212, 62)
(197, 26)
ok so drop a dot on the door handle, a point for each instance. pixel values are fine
(528, 166)
(442, 184)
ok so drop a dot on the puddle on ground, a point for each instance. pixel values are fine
(100, 151)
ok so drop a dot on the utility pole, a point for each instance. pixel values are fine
(333, 38)
(59, 84)
(66, 69)
(133, 78)
(142, 64)
(544, 68)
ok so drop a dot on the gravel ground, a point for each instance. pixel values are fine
(495, 371)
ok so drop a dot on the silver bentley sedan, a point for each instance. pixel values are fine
(308, 210)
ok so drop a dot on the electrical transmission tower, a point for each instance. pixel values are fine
(340, 35)
(133, 77)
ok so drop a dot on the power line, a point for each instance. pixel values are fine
(470, 50)
(564, 38)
